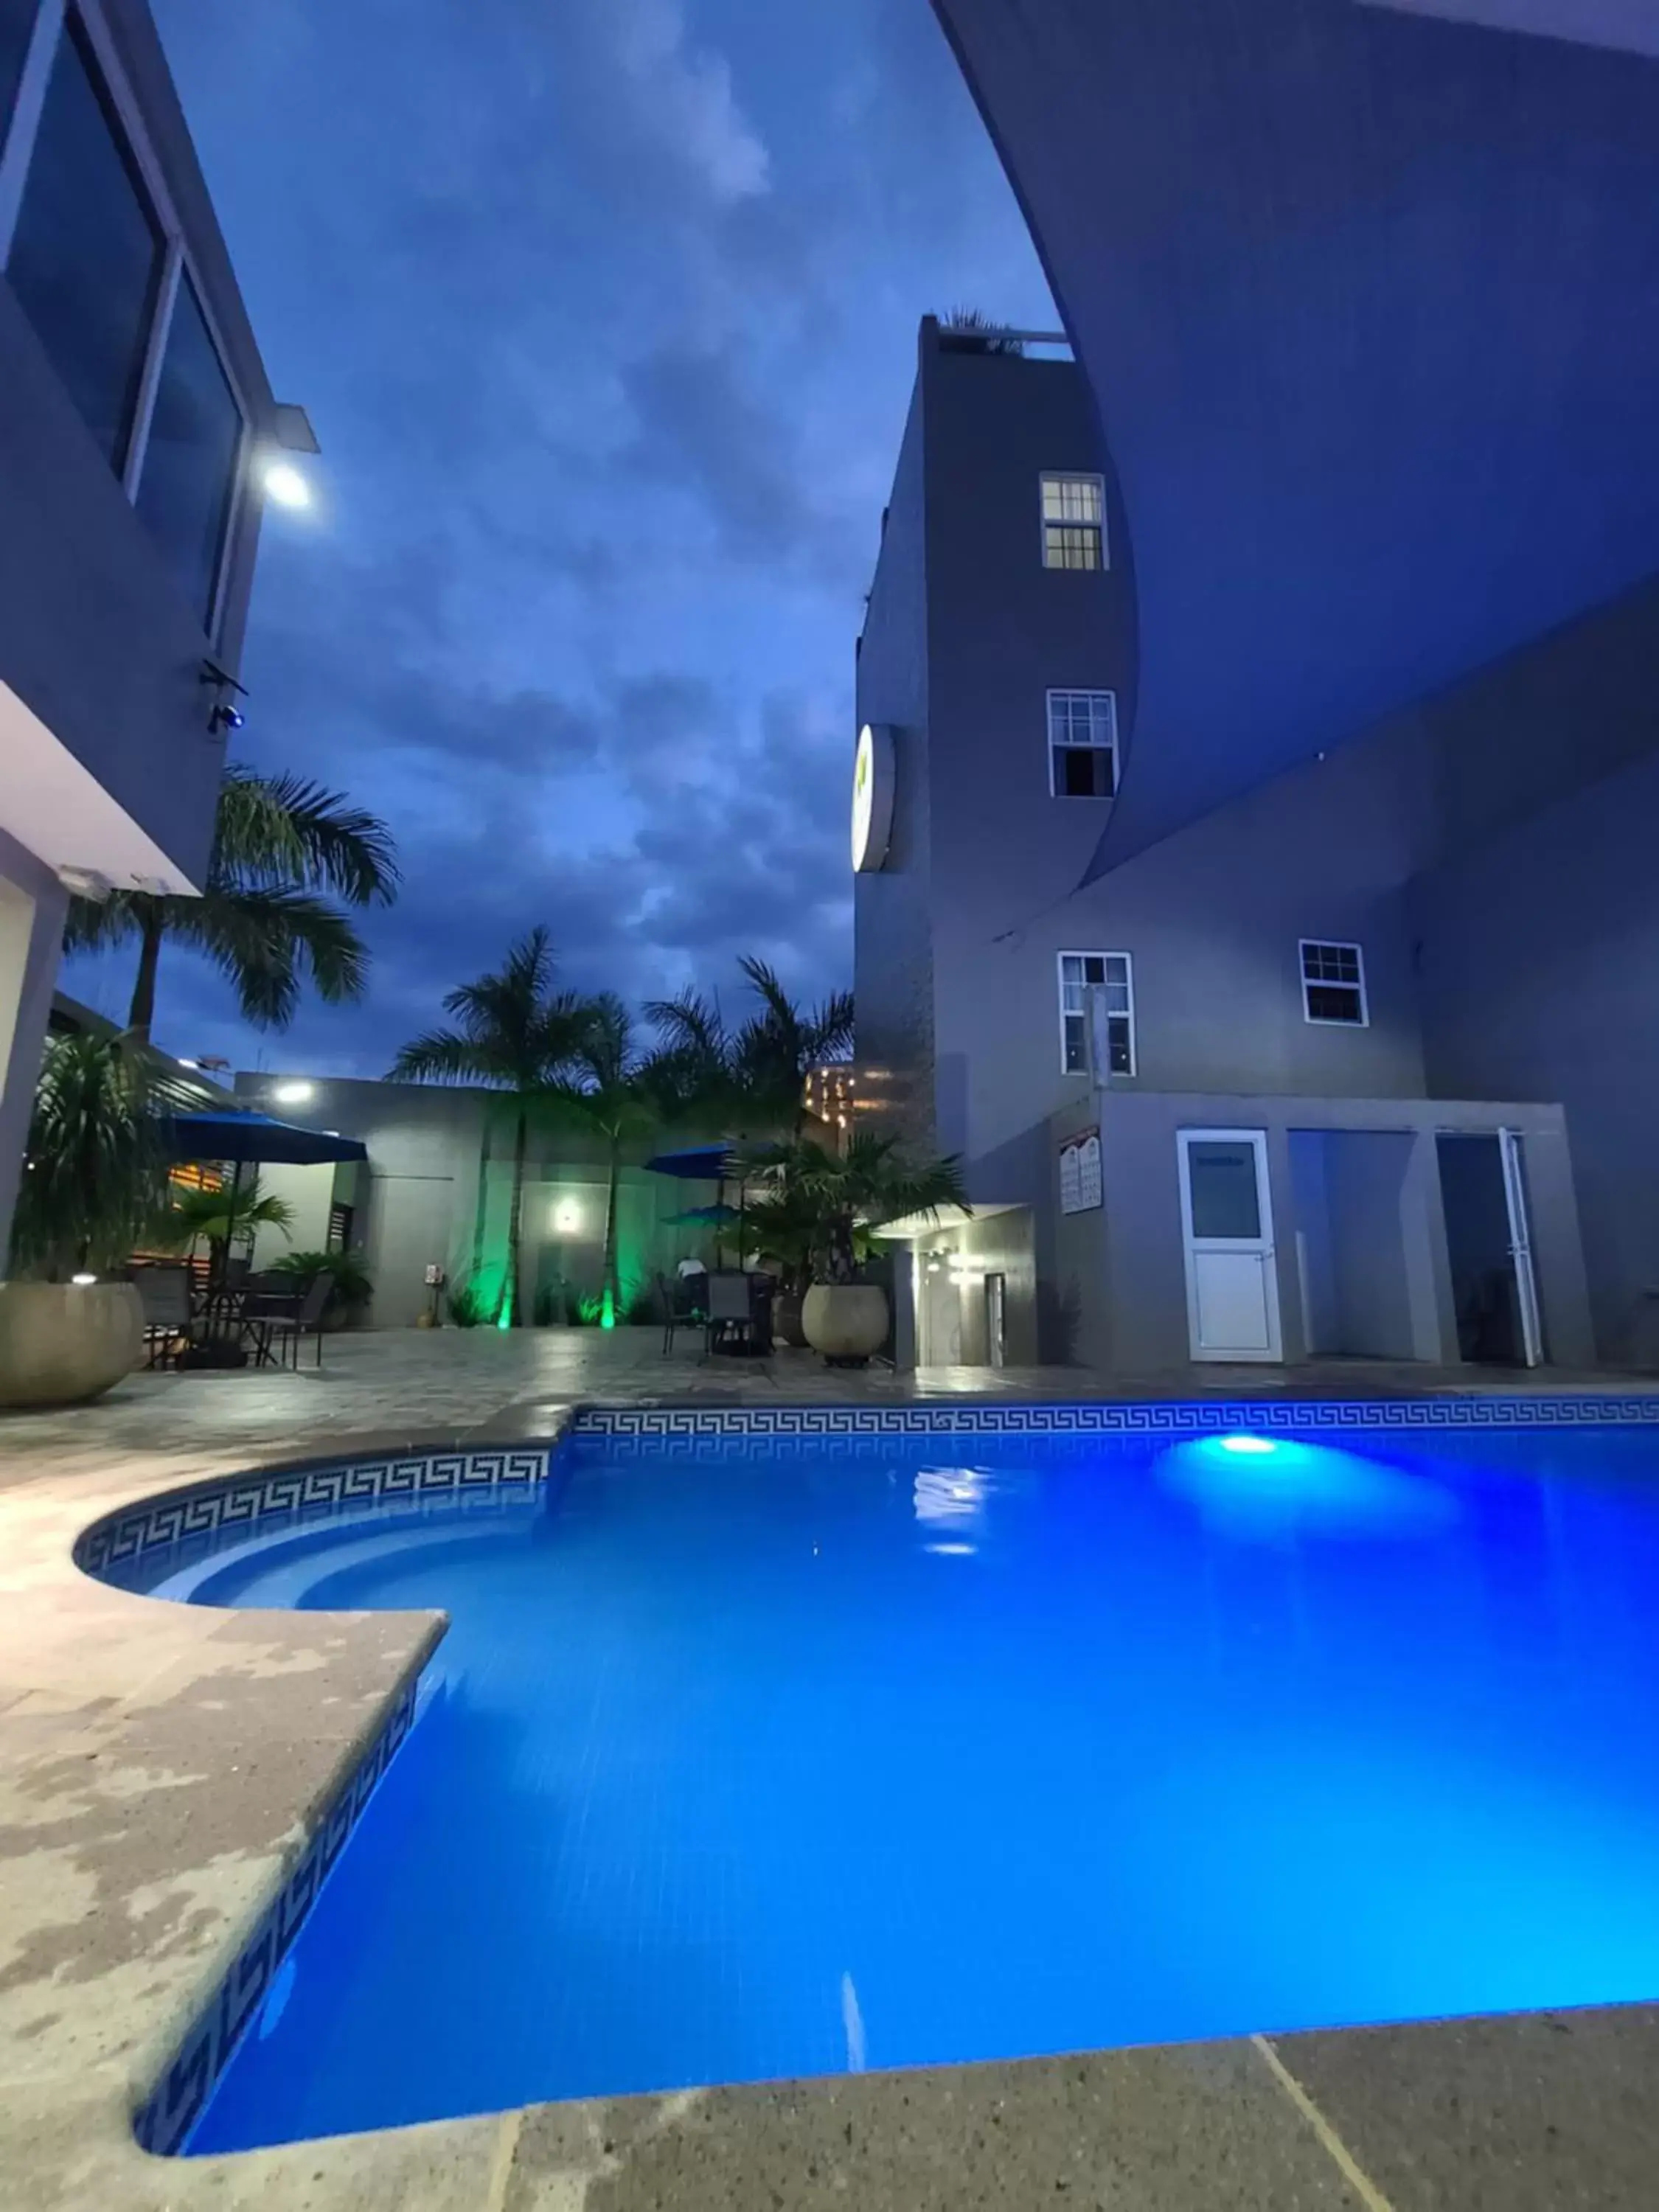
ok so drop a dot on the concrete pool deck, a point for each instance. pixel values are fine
(159, 1764)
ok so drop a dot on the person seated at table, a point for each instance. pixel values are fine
(690, 1265)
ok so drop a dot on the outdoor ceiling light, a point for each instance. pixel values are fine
(284, 484)
(294, 1094)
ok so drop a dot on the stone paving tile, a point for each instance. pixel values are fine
(1536, 2112)
(1189, 2129)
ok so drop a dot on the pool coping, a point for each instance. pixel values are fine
(474, 2161)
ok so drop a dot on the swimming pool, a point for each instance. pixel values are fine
(752, 1753)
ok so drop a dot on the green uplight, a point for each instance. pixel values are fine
(608, 1310)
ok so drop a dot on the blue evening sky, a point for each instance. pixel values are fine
(605, 311)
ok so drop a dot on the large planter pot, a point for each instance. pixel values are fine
(846, 1321)
(62, 1342)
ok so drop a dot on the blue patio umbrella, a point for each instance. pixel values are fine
(704, 1163)
(257, 1137)
(697, 1163)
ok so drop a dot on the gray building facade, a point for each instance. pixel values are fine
(135, 414)
(1375, 979)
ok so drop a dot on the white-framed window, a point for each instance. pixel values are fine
(1333, 983)
(1074, 521)
(1078, 973)
(1082, 744)
(95, 254)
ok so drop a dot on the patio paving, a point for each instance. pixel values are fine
(159, 1764)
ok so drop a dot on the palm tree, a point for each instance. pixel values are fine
(754, 1076)
(94, 1168)
(514, 1032)
(830, 1202)
(280, 844)
(234, 1211)
(621, 1094)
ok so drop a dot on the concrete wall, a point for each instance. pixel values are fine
(421, 1200)
(953, 1297)
(1356, 1233)
(1540, 949)
(32, 907)
(1212, 920)
(1121, 1270)
(893, 968)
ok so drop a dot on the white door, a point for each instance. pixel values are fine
(1226, 1220)
(1525, 1279)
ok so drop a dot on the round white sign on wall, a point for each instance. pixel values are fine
(873, 797)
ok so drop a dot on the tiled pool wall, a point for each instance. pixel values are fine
(287, 1495)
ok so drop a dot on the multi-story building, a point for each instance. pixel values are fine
(135, 422)
(1364, 295)
(1284, 1135)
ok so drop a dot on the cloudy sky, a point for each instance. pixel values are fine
(604, 313)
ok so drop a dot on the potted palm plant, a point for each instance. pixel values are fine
(94, 1185)
(836, 1202)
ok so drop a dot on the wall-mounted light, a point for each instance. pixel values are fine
(566, 1217)
(283, 483)
(82, 1281)
(294, 1094)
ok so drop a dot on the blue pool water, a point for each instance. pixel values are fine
(780, 1760)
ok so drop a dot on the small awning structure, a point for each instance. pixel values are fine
(706, 1216)
(257, 1137)
(698, 1164)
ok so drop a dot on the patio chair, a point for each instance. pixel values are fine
(164, 1294)
(268, 1296)
(304, 1320)
(730, 1312)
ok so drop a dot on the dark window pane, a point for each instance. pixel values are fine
(1118, 1031)
(190, 456)
(1221, 1178)
(1333, 1002)
(1083, 771)
(1076, 1057)
(87, 255)
(16, 21)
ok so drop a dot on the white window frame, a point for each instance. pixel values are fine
(1072, 952)
(1045, 477)
(51, 25)
(1306, 944)
(1055, 744)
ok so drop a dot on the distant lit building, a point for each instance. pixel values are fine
(842, 1093)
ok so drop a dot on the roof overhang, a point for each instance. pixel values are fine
(1369, 303)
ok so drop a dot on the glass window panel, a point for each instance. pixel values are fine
(1221, 1178)
(16, 23)
(1334, 1002)
(190, 456)
(1118, 1037)
(1077, 1058)
(87, 254)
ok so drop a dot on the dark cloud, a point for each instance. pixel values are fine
(605, 313)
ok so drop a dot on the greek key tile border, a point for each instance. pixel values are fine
(166, 2119)
(240, 1500)
(630, 1430)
